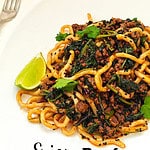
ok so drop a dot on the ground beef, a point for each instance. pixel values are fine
(82, 107)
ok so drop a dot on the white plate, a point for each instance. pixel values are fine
(36, 32)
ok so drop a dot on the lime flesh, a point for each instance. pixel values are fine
(31, 75)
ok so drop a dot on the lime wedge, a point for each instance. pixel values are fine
(31, 75)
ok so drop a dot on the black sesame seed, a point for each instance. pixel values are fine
(105, 143)
(116, 139)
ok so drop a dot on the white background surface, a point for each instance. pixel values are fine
(7, 29)
(34, 30)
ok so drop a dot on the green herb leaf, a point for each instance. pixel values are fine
(107, 34)
(127, 85)
(147, 100)
(71, 113)
(92, 128)
(145, 109)
(135, 19)
(61, 36)
(65, 84)
(90, 31)
(143, 39)
(53, 95)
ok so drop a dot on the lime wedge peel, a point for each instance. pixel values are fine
(30, 76)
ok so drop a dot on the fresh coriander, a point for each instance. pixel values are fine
(61, 36)
(65, 84)
(90, 31)
(145, 109)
